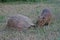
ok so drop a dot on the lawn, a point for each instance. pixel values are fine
(33, 10)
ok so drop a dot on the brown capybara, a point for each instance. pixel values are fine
(19, 21)
(44, 18)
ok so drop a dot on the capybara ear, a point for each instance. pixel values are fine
(44, 18)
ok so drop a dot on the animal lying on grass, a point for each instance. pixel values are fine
(19, 21)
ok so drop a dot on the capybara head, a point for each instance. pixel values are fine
(45, 17)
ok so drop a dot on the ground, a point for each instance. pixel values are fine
(51, 32)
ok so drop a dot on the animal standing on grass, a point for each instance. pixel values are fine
(45, 18)
(20, 22)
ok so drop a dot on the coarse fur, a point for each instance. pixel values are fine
(19, 21)
(45, 18)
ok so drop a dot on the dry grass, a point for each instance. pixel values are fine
(51, 32)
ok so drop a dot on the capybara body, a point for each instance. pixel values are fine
(19, 21)
(44, 18)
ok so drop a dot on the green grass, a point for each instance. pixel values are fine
(22, 0)
(2, 18)
(51, 32)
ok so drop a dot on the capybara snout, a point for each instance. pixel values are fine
(44, 18)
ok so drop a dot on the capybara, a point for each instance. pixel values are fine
(44, 18)
(19, 21)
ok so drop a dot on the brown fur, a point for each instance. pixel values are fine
(44, 18)
(19, 21)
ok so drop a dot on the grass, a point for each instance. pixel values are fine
(22, 0)
(2, 19)
(51, 32)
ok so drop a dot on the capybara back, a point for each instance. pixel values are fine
(19, 21)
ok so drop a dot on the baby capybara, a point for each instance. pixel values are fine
(19, 21)
(44, 18)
